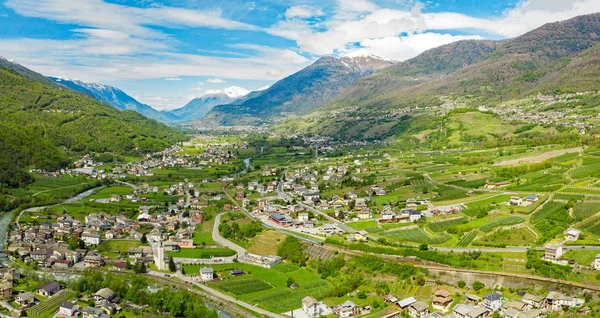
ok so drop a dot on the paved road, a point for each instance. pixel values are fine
(219, 294)
(223, 241)
(127, 184)
(516, 249)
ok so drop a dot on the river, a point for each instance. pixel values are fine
(248, 166)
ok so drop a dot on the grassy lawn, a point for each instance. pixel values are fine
(114, 247)
(202, 253)
(108, 192)
(492, 200)
(202, 236)
(361, 225)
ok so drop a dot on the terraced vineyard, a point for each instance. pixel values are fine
(581, 190)
(47, 307)
(551, 220)
(441, 226)
(466, 238)
(244, 286)
(505, 221)
(283, 300)
(583, 210)
(415, 235)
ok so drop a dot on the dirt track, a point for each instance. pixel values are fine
(537, 158)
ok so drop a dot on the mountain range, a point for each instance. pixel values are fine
(114, 97)
(360, 96)
(195, 109)
(199, 107)
(299, 93)
(555, 58)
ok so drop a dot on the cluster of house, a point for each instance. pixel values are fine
(520, 201)
(558, 117)
(106, 302)
(43, 243)
(530, 306)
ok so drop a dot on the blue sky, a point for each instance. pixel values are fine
(166, 52)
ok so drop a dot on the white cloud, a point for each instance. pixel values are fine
(131, 20)
(172, 78)
(215, 81)
(303, 11)
(164, 103)
(362, 21)
(406, 47)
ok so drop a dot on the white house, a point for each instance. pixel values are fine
(414, 215)
(493, 301)
(302, 217)
(516, 200)
(596, 262)
(207, 274)
(418, 309)
(347, 309)
(68, 309)
(553, 251)
(572, 234)
(90, 238)
(364, 214)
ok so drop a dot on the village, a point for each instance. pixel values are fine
(166, 227)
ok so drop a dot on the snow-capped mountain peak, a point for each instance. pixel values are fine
(231, 92)
(363, 54)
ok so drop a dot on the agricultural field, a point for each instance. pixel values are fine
(243, 286)
(268, 288)
(591, 226)
(49, 306)
(551, 220)
(582, 210)
(441, 226)
(592, 169)
(508, 237)
(466, 238)
(501, 221)
(584, 258)
(415, 235)
(362, 225)
(201, 253)
(266, 243)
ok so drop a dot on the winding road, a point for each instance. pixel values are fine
(241, 252)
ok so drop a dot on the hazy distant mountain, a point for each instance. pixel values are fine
(115, 97)
(198, 107)
(300, 93)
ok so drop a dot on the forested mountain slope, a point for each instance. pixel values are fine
(46, 127)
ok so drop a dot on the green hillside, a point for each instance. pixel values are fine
(555, 59)
(47, 127)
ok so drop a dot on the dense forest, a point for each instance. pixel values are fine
(46, 127)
